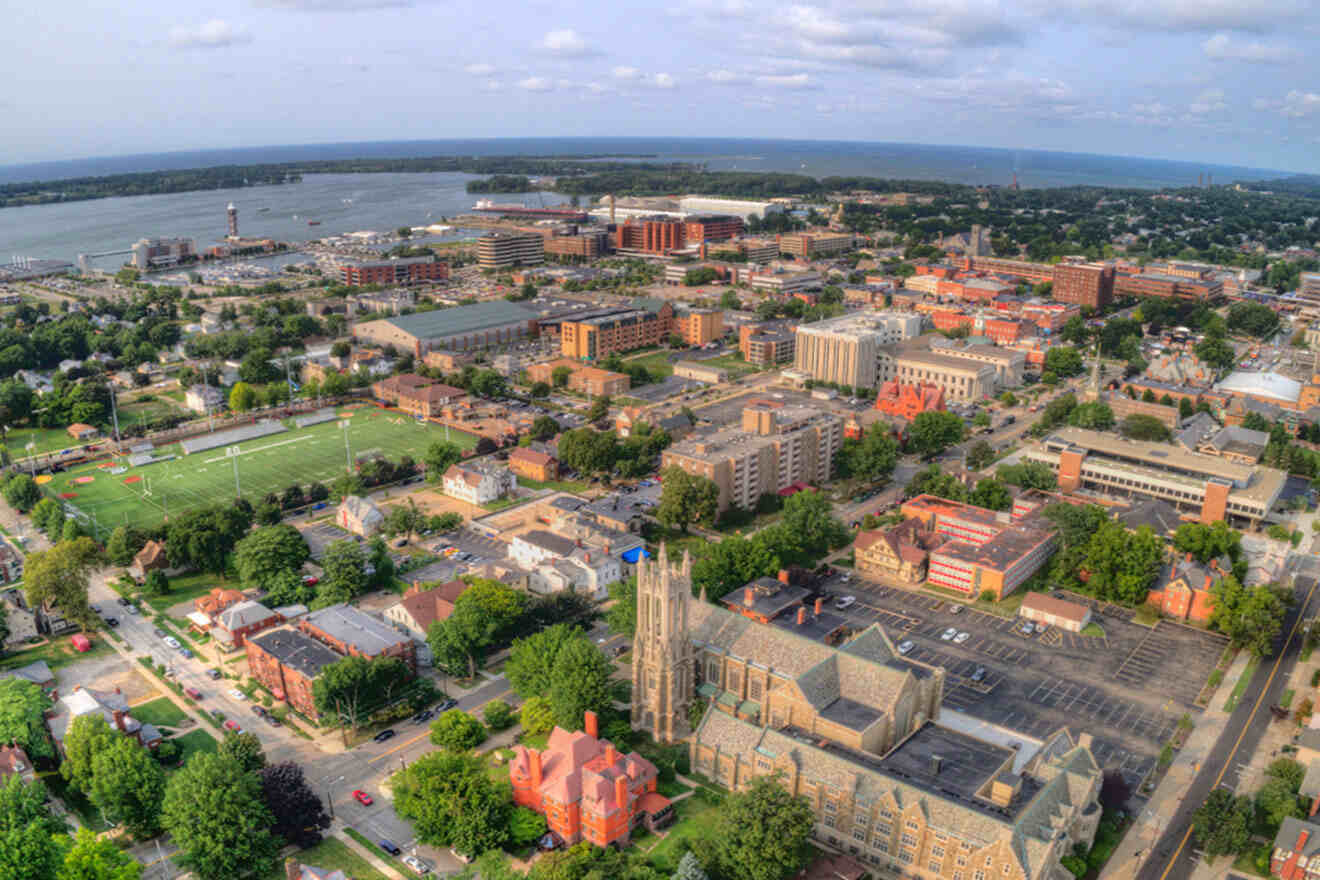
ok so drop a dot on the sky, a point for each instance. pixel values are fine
(1225, 81)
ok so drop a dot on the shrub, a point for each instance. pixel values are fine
(498, 715)
(987, 595)
(1315, 678)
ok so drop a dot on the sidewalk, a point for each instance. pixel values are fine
(337, 831)
(1136, 845)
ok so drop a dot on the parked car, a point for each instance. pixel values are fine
(387, 733)
(112, 621)
(271, 719)
(961, 637)
(193, 692)
(186, 653)
(978, 674)
(130, 608)
(423, 716)
(311, 580)
(445, 705)
(258, 711)
(388, 845)
(237, 694)
(234, 726)
(213, 673)
(172, 642)
(948, 634)
(1026, 628)
(955, 608)
(418, 866)
(905, 647)
(845, 602)
(160, 633)
(365, 800)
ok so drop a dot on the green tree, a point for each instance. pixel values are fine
(1063, 360)
(1215, 352)
(204, 538)
(245, 750)
(536, 716)
(242, 397)
(453, 802)
(22, 492)
(544, 428)
(1288, 770)
(1028, 475)
(29, 847)
(599, 409)
(737, 560)
(933, 481)
(23, 705)
(405, 519)
(686, 498)
(933, 431)
(580, 682)
(759, 833)
(1206, 542)
(300, 817)
(588, 451)
(87, 736)
(123, 544)
(156, 583)
(540, 390)
(808, 526)
(1222, 823)
(216, 813)
(559, 376)
(440, 456)
(97, 858)
(1095, 415)
(352, 688)
(991, 495)
(128, 785)
(622, 616)
(268, 553)
(1251, 617)
(531, 662)
(344, 573)
(729, 301)
(871, 456)
(1276, 800)
(457, 731)
(60, 576)
(1122, 565)
(525, 827)
(1144, 427)
(47, 514)
(981, 455)
(498, 715)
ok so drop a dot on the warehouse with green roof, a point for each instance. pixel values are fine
(461, 328)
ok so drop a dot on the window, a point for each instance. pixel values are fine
(880, 845)
(957, 875)
(989, 861)
(830, 806)
(829, 821)
(937, 852)
(962, 861)
(762, 764)
(910, 825)
(886, 830)
(859, 834)
(908, 840)
(933, 865)
(905, 857)
(1005, 868)
(978, 875)
(754, 689)
(885, 814)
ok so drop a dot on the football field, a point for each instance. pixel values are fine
(146, 495)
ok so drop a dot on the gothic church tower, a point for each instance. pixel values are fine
(663, 676)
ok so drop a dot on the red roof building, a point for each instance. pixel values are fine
(909, 401)
(587, 789)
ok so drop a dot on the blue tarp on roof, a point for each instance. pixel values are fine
(631, 556)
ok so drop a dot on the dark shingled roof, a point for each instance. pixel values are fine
(299, 652)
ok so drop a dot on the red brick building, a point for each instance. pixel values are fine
(587, 789)
(909, 401)
(349, 631)
(1084, 284)
(288, 662)
(1167, 286)
(1185, 590)
(405, 270)
(662, 235)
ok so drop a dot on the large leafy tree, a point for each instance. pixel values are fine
(124, 543)
(486, 614)
(530, 668)
(129, 786)
(760, 833)
(268, 553)
(87, 736)
(28, 846)
(686, 498)
(1121, 564)
(22, 492)
(991, 495)
(354, 687)
(1028, 475)
(1064, 360)
(622, 616)
(808, 522)
(871, 456)
(1252, 617)
(300, 817)
(440, 456)
(580, 681)
(457, 731)
(933, 431)
(1206, 542)
(22, 712)
(217, 815)
(934, 481)
(452, 801)
(1223, 823)
(97, 858)
(735, 561)
(245, 750)
(344, 576)
(61, 575)
(588, 451)
(204, 538)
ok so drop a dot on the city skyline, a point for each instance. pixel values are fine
(1222, 82)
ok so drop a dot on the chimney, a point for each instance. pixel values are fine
(611, 755)
(802, 615)
(819, 602)
(118, 691)
(621, 791)
(749, 596)
(1189, 555)
(936, 763)
(119, 718)
(783, 575)
(591, 724)
(1315, 807)
(534, 758)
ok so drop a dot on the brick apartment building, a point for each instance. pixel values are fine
(1084, 284)
(288, 662)
(598, 337)
(533, 465)
(587, 789)
(402, 270)
(1168, 286)
(586, 245)
(416, 395)
(1028, 271)
(765, 346)
(582, 379)
(662, 235)
(813, 245)
(699, 326)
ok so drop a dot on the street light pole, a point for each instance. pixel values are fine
(330, 795)
(348, 452)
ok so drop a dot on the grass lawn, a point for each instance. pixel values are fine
(696, 817)
(266, 464)
(375, 851)
(186, 588)
(656, 363)
(161, 712)
(194, 742)
(135, 413)
(332, 854)
(56, 653)
(43, 439)
(575, 486)
(1093, 629)
(736, 366)
(1231, 703)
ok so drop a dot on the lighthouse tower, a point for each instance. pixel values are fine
(233, 220)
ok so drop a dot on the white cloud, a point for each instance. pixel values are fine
(1221, 47)
(492, 85)
(214, 34)
(1209, 101)
(787, 81)
(536, 84)
(1298, 104)
(480, 69)
(664, 81)
(565, 42)
(726, 76)
(1256, 16)
(625, 73)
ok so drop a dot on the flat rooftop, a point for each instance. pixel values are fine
(947, 760)
(1000, 552)
(1158, 455)
(461, 319)
(946, 362)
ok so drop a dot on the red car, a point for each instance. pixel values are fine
(233, 725)
(362, 797)
(311, 580)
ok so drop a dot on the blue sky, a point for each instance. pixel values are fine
(1228, 81)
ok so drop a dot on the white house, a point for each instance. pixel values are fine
(478, 482)
(203, 398)
(557, 563)
(359, 515)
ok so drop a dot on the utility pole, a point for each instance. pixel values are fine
(114, 410)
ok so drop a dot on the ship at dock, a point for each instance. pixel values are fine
(558, 212)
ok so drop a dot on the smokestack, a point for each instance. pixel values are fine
(591, 724)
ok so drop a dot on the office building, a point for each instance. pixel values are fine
(400, 270)
(962, 380)
(1027, 271)
(785, 282)
(160, 253)
(661, 235)
(582, 379)
(500, 250)
(852, 728)
(814, 245)
(1001, 330)
(847, 349)
(1009, 363)
(765, 346)
(1210, 486)
(1084, 284)
(1167, 286)
(699, 326)
(741, 208)
(774, 447)
(597, 337)
(586, 245)
(465, 327)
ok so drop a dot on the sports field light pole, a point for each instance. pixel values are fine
(232, 452)
(32, 461)
(348, 452)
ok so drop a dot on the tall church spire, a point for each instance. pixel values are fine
(662, 670)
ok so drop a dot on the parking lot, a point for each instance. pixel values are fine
(322, 535)
(670, 387)
(1128, 688)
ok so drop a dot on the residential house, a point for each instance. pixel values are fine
(478, 482)
(111, 705)
(419, 608)
(216, 601)
(15, 762)
(1296, 852)
(557, 563)
(901, 552)
(79, 431)
(533, 465)
(150, 558)
(203, 399)
(359, 515)
(36, 672)
(242, 620)
(1185, 588)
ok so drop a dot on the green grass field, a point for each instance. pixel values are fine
(161, 712)
(266, 464)
(656, 363)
